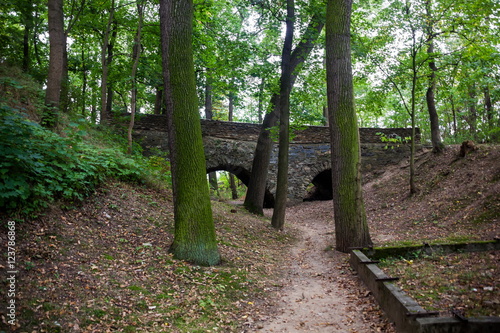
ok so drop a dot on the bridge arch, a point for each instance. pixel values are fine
(244, 176)
(235, 157)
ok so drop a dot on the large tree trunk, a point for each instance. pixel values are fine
(254, 200)
(351, 228)
(194, 238)
(278, 219)
(54, 79)
(437, 145)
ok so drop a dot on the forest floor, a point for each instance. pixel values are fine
(103, 266)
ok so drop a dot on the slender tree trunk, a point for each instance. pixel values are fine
(73, 17)
(104, 116)
(110, 84)
(194, 238)
(65, 79)
(93, 109)
(254, 200)
(35, 39)
(54, 79)
(351, 228)
(209, 113)
(413, 186)
(278, 219)
(472, 118)
(233, 186)
(136, 54)
(230, 112)
(260, 109)
(84, 83)
(454, 115)
(488, 106)
(437, 145)
(159, 101)
(26, 47)
(232, 182)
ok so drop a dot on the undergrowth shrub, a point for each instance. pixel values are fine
(38, 166)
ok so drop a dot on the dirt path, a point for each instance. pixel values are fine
(321, 293)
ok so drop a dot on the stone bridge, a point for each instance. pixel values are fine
(230, 146)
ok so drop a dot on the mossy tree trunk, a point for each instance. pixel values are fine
(351, 228)
(194, 238)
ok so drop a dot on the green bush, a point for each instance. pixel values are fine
(38, 166)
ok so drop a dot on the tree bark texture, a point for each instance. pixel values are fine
(194, 238)
(254, 200)
(351, 228)
(54, 78)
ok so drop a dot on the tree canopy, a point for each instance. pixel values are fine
(237, 47)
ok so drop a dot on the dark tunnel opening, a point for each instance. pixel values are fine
(322, 187)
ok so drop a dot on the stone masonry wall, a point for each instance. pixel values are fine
(307, 160)
(250, 132)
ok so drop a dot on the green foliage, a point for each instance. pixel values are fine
(392, 141)
(39, 166)
(159, 168)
